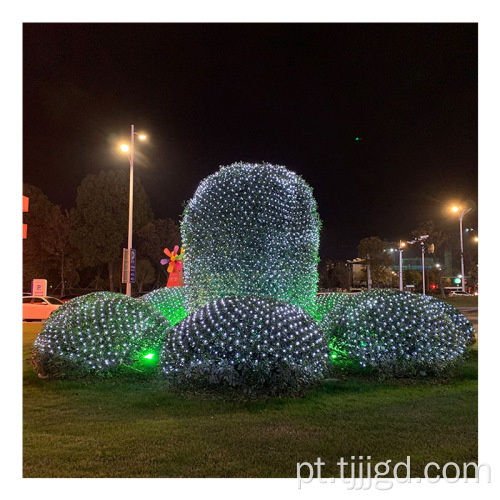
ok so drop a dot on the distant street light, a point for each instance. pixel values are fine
(125, 148)
(456, 209)
(402, 245)
(421, 240)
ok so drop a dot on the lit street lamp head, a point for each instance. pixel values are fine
(124, 148)
(142, 137)
(455, 209)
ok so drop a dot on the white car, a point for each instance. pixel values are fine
(458, 293)
(39, 308)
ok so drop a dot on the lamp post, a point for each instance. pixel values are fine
(421, 240)
(461, 217)
(401, 247)
(125, 148)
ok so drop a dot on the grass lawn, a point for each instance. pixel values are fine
(133, 428)
(463, 301)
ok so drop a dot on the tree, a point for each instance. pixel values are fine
(101, 217)
(334, 275)
(374, 250)
(37, 261)
(412, 277)
(58, 243)
(145, 273)
(437, 237)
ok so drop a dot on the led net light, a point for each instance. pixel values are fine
(325, 302)
(251, 229)
(99, 333)
(459, 320)
(171, 302)
(257, 343)
(394, 332)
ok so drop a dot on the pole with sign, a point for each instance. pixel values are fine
(128, 266)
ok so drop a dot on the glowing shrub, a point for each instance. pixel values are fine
(258, 344)
(325, 302)
(463, 325)
(393, 332)
(251, 230)
(171, 302)
(99, 333)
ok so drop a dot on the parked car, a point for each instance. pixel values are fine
(39, 308)
(459, 293)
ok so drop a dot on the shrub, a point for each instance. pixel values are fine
(171, 302)
(99, 333)
(257, 344)
(393, 332)
(251, 230)
(325, 302)
(463, 325)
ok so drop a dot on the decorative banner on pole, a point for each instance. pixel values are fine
(174, 266)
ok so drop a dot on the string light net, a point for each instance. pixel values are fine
(258, 344)
(251, 229)
(325, 302)
(99, 333)
(393, 332)
(171, 302)
(460, 321)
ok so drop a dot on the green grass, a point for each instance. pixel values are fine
(134, 428)
(463, 301)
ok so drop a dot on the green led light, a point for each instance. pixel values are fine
(149, 355)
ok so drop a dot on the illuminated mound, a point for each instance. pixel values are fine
(251, 229)
(99, 333)
(171, 302)
(325, 302)
(460, 321)
(393, 332)
(258, 344)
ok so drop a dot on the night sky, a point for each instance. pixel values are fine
(296, 95)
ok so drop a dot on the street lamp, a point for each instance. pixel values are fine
(402, 245)
(421, 240)
(125, 148)
(462, 212)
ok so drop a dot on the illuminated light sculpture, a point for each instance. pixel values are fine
(394, 332)
(171, 302)
(257, 344)
(174, 269)
(251, 229)
(325, 302)
(99, 333)
(463, 325)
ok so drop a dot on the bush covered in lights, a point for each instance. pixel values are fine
(99, 333)
(326, 302)
(251, 229)
(171, 302)
(394, 332)
(258, 344)
(459, 320)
